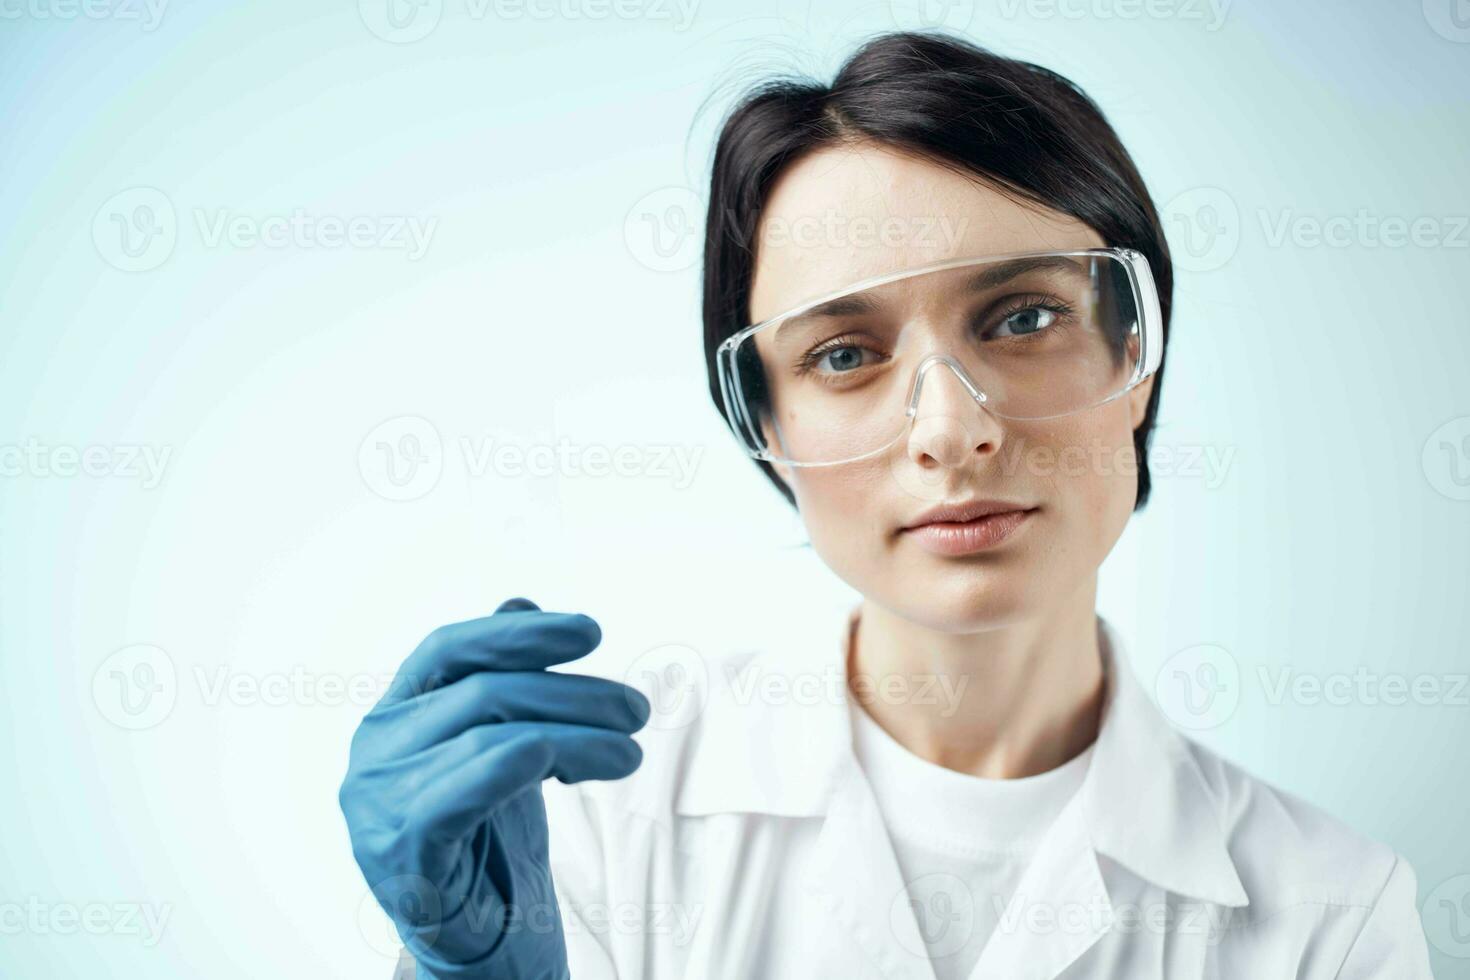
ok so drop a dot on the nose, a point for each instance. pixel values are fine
(948, 421)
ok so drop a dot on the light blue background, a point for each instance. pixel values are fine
(539, 155)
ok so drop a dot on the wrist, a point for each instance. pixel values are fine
(513, 948)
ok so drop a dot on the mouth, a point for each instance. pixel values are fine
(966, 530)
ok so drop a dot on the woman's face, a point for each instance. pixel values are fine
(839, 215)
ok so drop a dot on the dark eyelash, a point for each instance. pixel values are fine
(808, 361)
(1018, 303)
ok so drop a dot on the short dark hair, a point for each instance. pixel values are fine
(1010, 123)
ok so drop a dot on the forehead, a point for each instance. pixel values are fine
(842, 214)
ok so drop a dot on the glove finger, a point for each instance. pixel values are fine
(512, 639)
(489, 697)
(512, 758)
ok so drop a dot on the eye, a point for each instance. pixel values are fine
(842, 359)
(839, 356)
(1030, 320)
(1028, 316)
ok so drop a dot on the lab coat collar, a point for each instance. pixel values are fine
(776, 738)
(1148, 804)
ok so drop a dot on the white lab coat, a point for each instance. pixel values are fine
(749, 845)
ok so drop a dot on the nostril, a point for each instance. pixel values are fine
(941, 437)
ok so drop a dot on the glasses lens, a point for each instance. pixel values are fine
(1040, 336)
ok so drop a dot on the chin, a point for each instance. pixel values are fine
(962, 598)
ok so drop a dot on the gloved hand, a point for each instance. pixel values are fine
(443, 788)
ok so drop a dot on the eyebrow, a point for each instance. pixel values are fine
(992, 276)
(987, 278)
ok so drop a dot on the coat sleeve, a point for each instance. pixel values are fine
(578, 866)
(1391, 944)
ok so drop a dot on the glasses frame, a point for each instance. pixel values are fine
(1145, 299)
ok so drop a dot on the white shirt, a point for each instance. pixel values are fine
(748, 846)
(962, 842)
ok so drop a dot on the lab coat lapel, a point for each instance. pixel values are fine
(857, 880)
(793, 757)
(1143, 804)
(1060, 908)
(855, 873)
(1150, 807)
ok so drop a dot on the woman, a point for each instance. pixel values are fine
(936, 300)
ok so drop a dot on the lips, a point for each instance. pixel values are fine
(964, 511)
(965, 528)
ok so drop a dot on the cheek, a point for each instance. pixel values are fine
(1090, 467)
(843, 510)
(834, 498)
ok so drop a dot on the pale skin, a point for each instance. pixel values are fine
(1012, 627)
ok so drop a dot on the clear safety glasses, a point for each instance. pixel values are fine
(1028, 336)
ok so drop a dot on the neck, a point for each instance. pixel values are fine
(1003, 703)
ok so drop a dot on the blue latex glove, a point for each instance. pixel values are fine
(443, 788)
